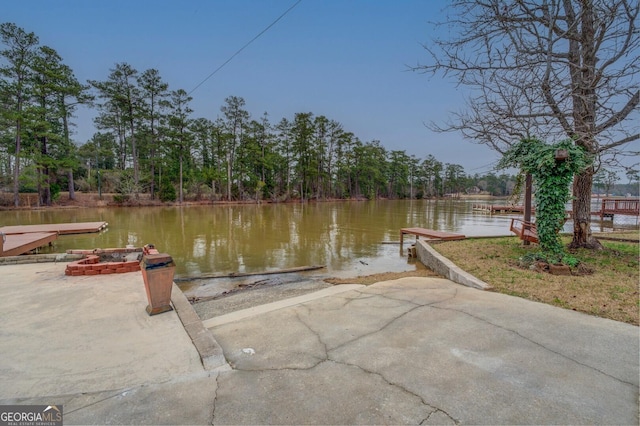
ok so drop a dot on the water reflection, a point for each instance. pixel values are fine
(345, 236)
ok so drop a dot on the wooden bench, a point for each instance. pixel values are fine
(526, 231)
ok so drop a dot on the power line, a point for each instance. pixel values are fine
(246, 45)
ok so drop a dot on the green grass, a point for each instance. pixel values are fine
(605, 283)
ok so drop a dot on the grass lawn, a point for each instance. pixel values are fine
(610, 290)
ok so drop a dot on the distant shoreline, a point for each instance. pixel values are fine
(92, 200)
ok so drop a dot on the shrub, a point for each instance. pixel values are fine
(167, 193)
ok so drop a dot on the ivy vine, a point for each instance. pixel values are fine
(551, 178)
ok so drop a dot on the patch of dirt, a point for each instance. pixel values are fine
(385, 276)
(251, 296)
(259, 291)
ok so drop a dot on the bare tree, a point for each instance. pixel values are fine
(551, 69)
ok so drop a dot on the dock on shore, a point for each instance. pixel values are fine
(60, 228)
(21, 239)
(494, 208)
(429, 233)
(17, 244)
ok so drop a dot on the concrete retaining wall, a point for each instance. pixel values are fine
(443, 266)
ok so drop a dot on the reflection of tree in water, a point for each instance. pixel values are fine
(252, 238)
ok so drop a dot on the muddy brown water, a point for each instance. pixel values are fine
(348, 237)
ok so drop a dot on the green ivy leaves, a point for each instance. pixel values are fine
(551, 179)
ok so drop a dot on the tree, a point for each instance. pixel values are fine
(178, 131)
(430, 171)
(304, 157)
(46, 82)
(397, 174)
(236, 118)
(120, 111)
(153, 101)
(454, 177)
(15, 73)
(55, 93)
(551, 69)
(552, 177)
(71, 94)
(605, 179)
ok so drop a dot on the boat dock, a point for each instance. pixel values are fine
(429, 233)
(21, 239)
(494, 208)
(60, 228)
(17, 244)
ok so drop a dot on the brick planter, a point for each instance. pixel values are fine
(91, 264)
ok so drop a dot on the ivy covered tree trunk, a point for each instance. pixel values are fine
(552, 174)
(582, 212)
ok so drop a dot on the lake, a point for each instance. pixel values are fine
(348, 237)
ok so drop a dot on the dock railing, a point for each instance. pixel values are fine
(612, 206)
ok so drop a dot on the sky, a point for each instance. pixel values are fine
(345, 59)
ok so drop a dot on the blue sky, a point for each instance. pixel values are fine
(345, 59)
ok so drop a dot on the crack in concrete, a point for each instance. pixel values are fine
(215, 400)
(118, 393)
(314, 332)
(438, 410)
(392, 320)
(124, 391)
(402, 388)
(535, 343)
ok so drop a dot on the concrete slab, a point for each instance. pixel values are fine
(425, 350)
(63, 335)
(410, 351)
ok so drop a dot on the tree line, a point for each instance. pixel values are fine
(149, 142)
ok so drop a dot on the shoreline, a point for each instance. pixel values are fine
(92, 200)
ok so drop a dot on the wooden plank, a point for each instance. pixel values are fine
(432, 233)
(179, 279)
(60, 228)
(17, 244)
(429, 233)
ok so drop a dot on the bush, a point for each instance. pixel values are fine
(167, 193)
(120, 198)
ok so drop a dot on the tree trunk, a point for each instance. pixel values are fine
(72, 189)
(16, 169)
(181, 193)
(582, 237)
(47, 189)
(228, 177)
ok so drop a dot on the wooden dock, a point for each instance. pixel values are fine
(429, 233)
(17, 244)
(494, 208)
(60, 228)
(612, 206)
(21, 239)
